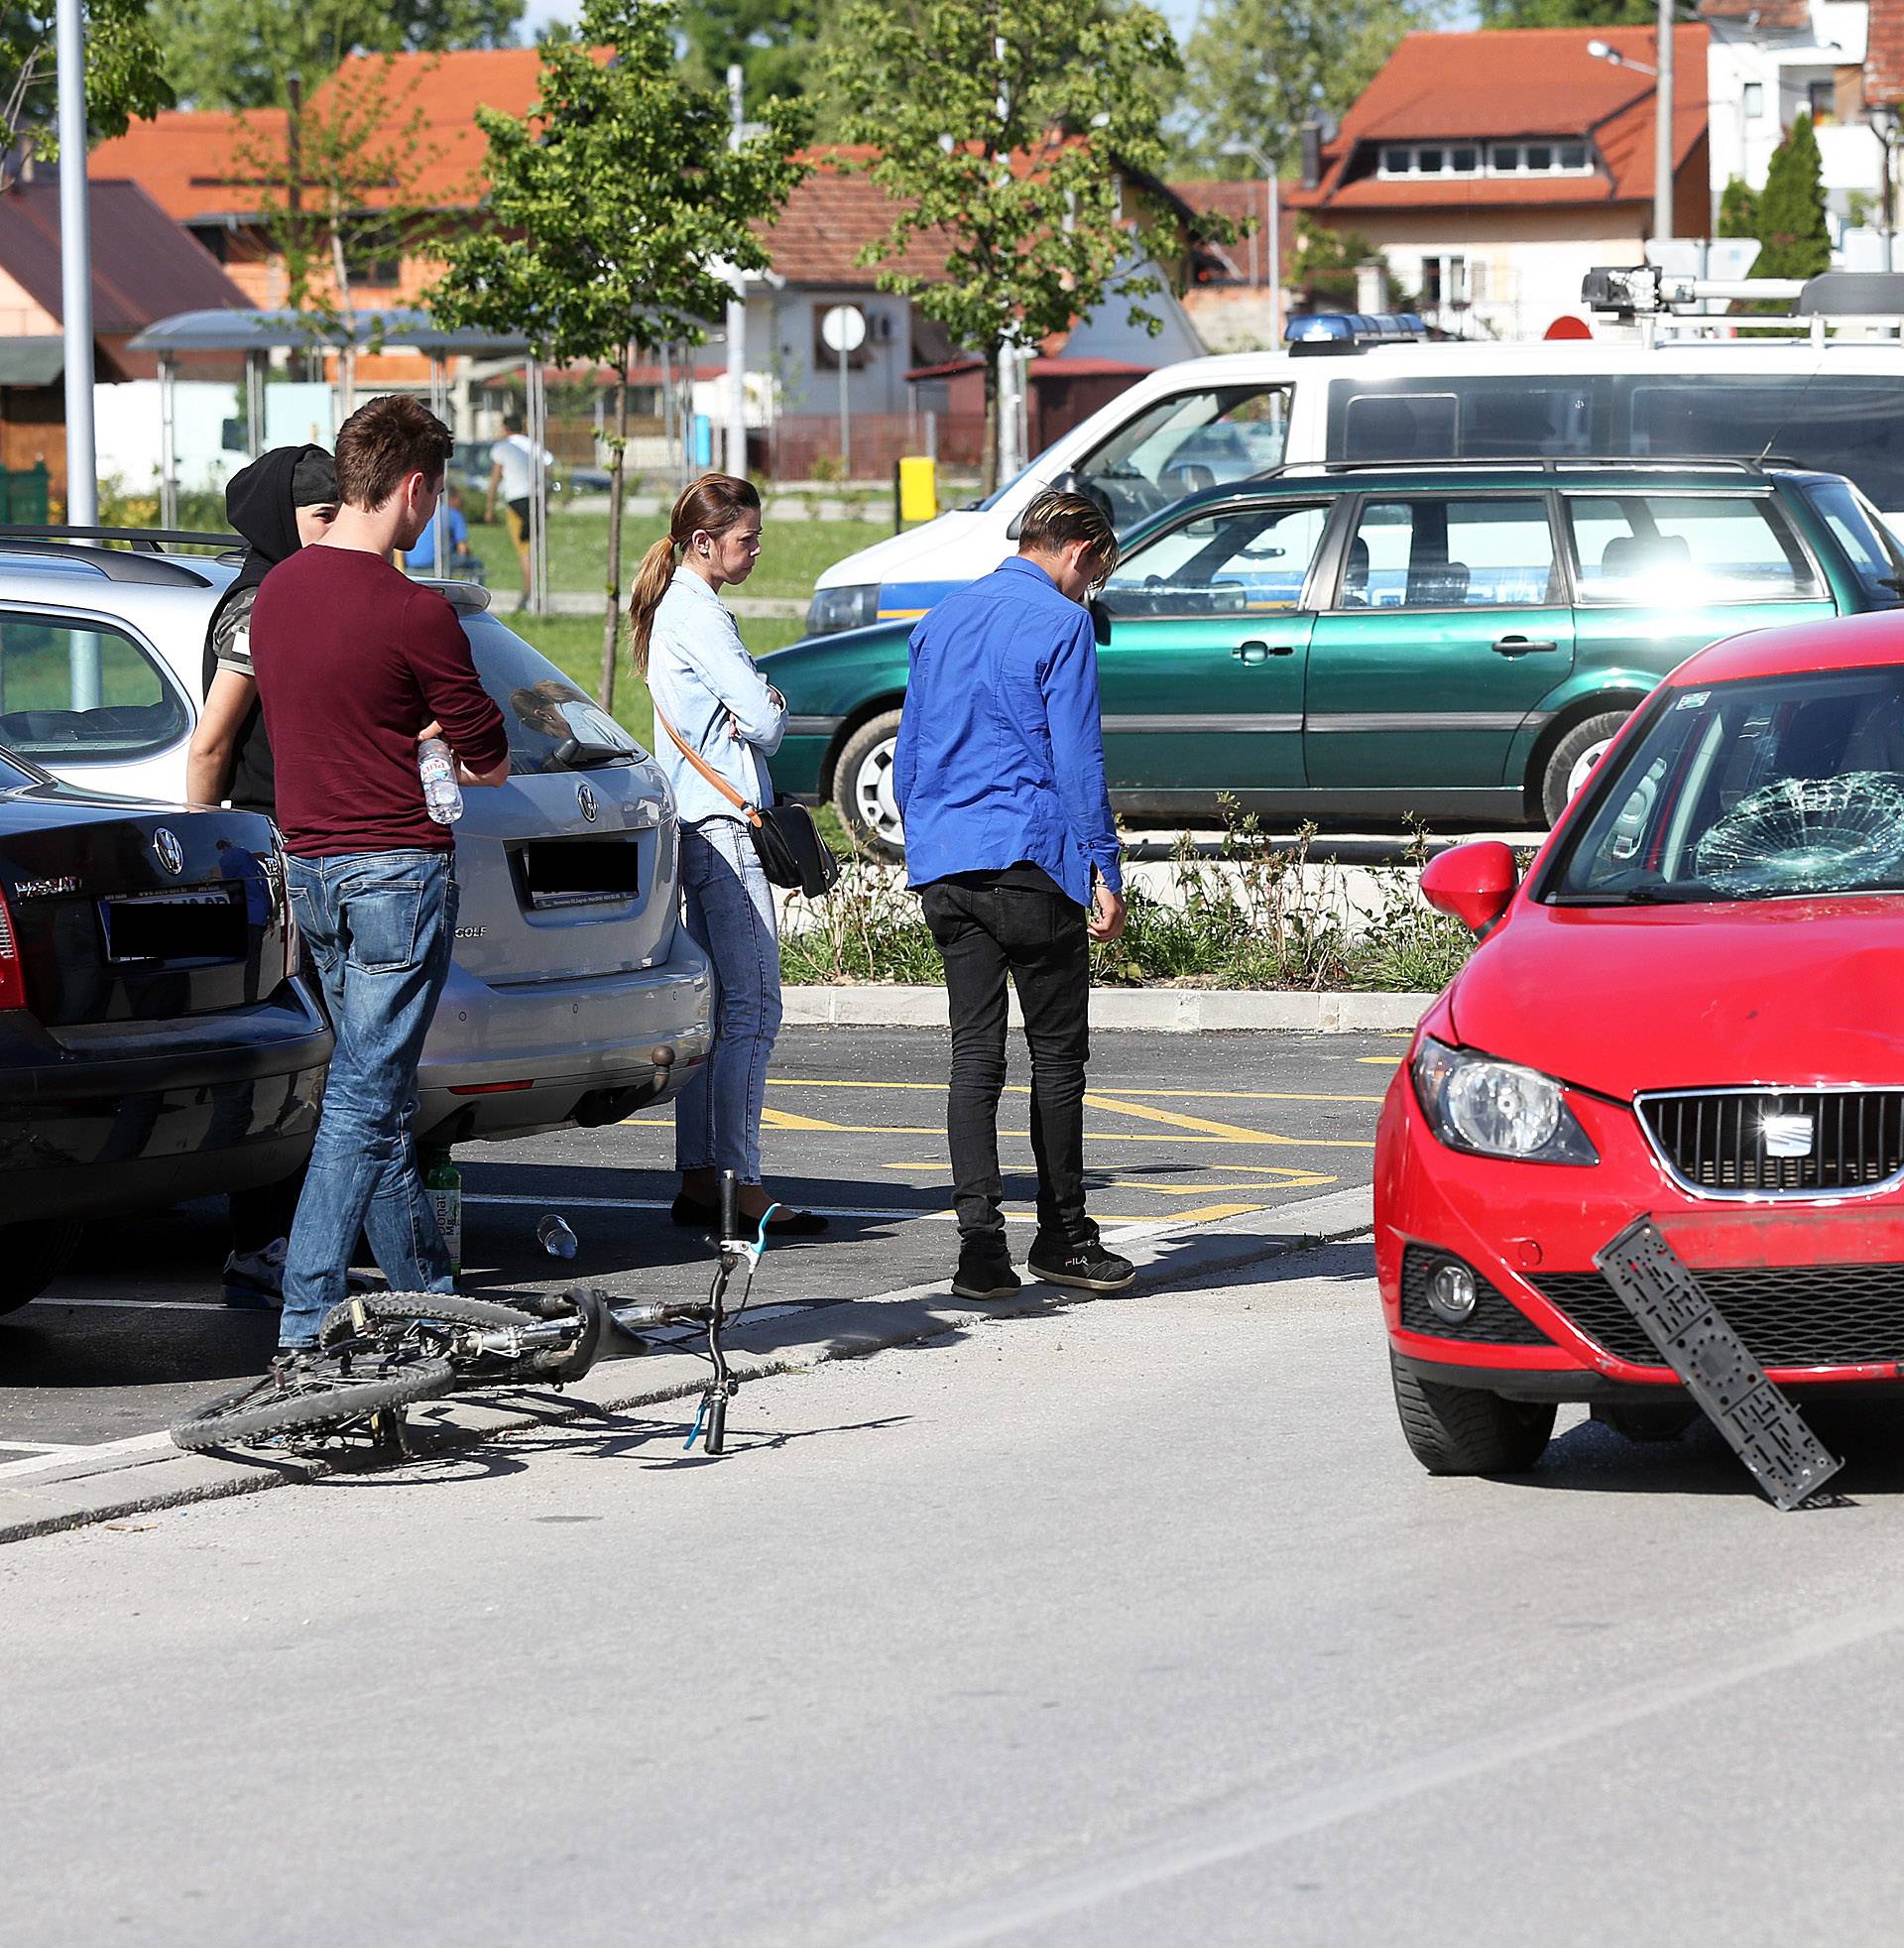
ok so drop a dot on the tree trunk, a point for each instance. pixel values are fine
(989, 459)
(611, 622)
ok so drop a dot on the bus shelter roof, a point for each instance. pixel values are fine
(399, 329)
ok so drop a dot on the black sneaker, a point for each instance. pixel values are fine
(983, 1273)
(1087, 1268)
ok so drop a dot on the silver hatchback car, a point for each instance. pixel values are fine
(575, 997)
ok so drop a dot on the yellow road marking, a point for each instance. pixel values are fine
(1383, 1061)
(1297, 1181)
(1090, 1135)
(1167, 1095)
(784, 1119)
(1217, 1132)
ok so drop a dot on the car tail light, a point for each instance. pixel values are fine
(13, 978)
(489, 1088)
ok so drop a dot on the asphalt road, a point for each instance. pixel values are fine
(1193, 1128)
(1131, 1624)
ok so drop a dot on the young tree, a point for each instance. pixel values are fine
(1003, 133)
(775, 41)
(337, 188)
(1739, 210)
(240, 54)
(1791, 209)
(1256, 70)
(125, 77)
(619, 210)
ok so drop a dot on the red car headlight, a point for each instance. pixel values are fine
(1496, 1109)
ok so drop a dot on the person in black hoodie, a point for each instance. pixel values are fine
(282, 501)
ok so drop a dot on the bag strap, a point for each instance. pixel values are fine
(706, 770)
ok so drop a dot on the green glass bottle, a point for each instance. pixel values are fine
(445, 1184)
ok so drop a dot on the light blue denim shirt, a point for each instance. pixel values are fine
(704, 682)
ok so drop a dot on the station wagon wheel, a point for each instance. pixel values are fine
(32, 1257)
(863, 788)
(1572, 760)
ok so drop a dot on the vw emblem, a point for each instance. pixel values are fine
(585, 797)
(172, 855)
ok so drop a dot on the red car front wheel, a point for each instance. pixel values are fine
(1462, 1431)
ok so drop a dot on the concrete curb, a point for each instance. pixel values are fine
(134, 1477)
(1172, 1011)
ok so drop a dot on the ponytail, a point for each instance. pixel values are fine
(711, 506)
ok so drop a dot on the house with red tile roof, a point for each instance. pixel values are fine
(144, 267)
(1493, 169)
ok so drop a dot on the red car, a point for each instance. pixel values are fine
(1691, 1008)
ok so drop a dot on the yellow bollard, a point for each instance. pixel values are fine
(918, 488)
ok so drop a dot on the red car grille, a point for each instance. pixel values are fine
(1804, 1315)
(1725, 1142)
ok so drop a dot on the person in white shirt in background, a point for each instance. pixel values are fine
(511, 474)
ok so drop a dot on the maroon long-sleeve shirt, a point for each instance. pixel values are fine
(352, 659)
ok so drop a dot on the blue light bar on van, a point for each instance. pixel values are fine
(1350, 331)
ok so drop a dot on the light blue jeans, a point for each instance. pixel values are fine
(730, 915)
(378, 927)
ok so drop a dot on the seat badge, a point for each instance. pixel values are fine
(585, 797)
(1786, 1133)
(172, 855)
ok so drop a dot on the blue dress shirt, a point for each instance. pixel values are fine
(1000, 752)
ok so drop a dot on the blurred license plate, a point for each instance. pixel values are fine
(203, 925)
(580, 872)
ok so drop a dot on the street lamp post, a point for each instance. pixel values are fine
(1273, 197)
(75, 272)
(1662, 113)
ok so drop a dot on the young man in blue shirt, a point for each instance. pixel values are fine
(1010, 844)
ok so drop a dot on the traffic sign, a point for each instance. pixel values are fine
(843, 329)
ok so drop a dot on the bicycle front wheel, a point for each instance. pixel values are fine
(321, 1396)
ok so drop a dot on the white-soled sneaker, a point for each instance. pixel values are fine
(255, 1279)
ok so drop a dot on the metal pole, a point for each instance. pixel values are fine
(440, 522)
(1007, 413)
(846, 430)
(254, 404)
(1275, 260)
(167, 442)
(736, 443)
(537, 406)
(75, 272)
(1663, 127)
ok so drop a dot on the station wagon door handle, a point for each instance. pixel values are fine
(1521, 646)
(1262, 652)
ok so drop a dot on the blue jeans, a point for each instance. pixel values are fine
(730, 915)
(378, 927)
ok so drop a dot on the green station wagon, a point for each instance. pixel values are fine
(1453, 640)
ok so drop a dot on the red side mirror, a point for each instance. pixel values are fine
(1473, 882)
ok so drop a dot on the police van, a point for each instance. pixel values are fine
(1830, 401)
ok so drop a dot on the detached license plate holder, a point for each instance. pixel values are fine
(559, 873)
(195, 923)
(1760, 1425)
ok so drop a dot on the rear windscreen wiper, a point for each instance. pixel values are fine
(576, 754)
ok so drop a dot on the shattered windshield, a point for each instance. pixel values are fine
(1749, 790)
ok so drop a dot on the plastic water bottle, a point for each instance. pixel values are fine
(554, 1237)
(438, 769)
(444, 1186)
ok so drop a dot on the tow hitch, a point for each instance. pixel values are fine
(1761, 1426)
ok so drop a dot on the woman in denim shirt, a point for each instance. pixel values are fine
(704, 684)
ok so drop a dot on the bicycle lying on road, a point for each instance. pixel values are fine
(382, 1352)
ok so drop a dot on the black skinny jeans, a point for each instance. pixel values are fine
(984, 933)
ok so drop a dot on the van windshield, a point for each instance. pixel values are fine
(1839, 423)
(1179, 446)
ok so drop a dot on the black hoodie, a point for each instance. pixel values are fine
(257, 504)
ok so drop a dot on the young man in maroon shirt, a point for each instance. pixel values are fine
(356, 662)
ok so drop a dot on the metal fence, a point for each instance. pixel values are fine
(806, 445)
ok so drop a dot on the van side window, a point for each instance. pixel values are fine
(1666, 551)
(1451, 553)
(1240, 562)
(1180, 445)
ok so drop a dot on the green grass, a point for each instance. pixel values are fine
(792, 553)
(574, 645)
